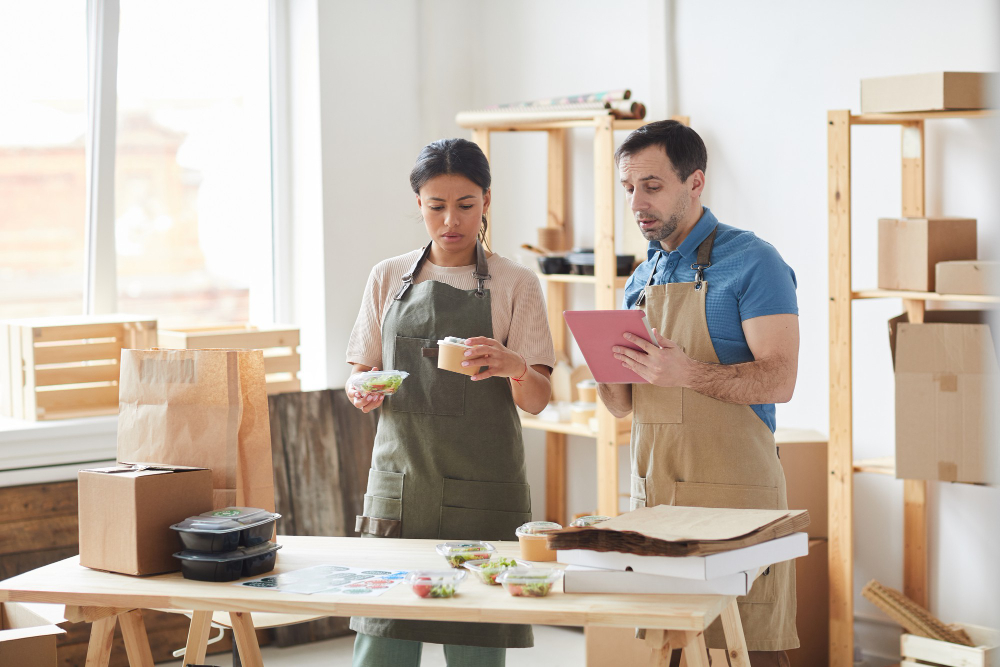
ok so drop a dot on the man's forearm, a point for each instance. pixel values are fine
(616, 397)
(750, 383)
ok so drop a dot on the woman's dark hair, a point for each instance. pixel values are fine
(684, 147)
(453, 156)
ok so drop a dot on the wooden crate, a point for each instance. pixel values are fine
(280, 345)
(59, 368)
(921, 651)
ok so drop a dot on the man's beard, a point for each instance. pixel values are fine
(666, 228)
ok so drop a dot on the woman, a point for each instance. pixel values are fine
(448, 462)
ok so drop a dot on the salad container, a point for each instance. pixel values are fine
(435, 583)
(529, 582)
(228, 566)
(458, 553)
(223, 530)
(587, 521)
(487, 570)
(451, 354)
(534, 546)
(385, 383)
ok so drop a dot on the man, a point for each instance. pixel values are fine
(722, 305)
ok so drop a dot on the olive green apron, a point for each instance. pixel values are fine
(448, 462)
(692, 450)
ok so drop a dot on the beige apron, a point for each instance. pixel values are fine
(689, 449)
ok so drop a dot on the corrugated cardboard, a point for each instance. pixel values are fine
(909, 249)
(932, 91)
(968, 277)
(803, 457)
(946, 393)
(812, 618)
(126, 514)
(26, 639)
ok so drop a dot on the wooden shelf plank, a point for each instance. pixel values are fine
(923, 296)
(898, 118)
(567, 428)
(879, 466)
(571, 278)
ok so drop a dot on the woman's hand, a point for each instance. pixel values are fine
(500, 361)
(363, 400)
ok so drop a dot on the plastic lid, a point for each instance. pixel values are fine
(581, 406)
(587, 383)
(530, 575)
(457, 548)
(494, 564)
(585, 521)
(435, 576)
(239, 553)
(453, 340)
(538, 528)
(377, 382)
(226, 520)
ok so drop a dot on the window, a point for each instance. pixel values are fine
(43, 121)
(192, 165)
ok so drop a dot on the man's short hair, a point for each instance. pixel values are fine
(684, 147)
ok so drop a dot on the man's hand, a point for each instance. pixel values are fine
(665, 365)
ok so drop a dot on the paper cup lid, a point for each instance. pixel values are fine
(538, 528)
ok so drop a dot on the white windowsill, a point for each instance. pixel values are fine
(42, 452)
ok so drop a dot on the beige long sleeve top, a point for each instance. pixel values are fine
(519, 316)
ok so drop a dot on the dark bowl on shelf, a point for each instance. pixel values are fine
(553, 264)
(582, 264)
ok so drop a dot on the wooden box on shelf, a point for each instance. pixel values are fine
(280, 344)
(65, 367)
(917, 651)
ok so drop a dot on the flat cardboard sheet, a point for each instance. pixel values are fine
(667, 530)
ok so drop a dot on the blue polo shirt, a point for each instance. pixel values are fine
(747, 279)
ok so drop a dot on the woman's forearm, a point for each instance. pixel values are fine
(532, 393)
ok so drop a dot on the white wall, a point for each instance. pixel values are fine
(757, 80)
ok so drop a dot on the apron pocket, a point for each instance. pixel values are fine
(483, 510)
(383, 508)
(428, 390)
(736, 496)
(658, 405)
(637, 492)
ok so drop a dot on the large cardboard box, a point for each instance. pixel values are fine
(126, 514)
(932, 91)
(946, 394)
(803, 458)
(812, 598)
(968, 277)
(909, 249)
(27, 639)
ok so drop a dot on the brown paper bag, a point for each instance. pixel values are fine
(200, 408)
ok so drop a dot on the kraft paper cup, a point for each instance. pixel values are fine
(582, 412)
(587, 391)
(534, 546)
(451, 356)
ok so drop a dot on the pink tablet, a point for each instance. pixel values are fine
(597, 331)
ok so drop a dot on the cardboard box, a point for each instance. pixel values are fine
(126, 514)
(933, 91)
(579, 579)
(946, 391)
(968, 277)
(803, 457)
(27, 639)
(909, 249)
(812, 618)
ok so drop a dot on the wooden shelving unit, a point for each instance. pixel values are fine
(604, 283)
(841, 460)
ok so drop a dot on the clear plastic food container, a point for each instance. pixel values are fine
(582, 412)
(223, 530)
(229, 566)
(586, 521)
(487, 570)
(534, 546)
(529, 582)
(458, 553)
(435, 583)
(385, 383)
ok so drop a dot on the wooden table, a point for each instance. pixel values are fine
(672, 621)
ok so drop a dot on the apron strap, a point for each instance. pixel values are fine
(642, 295)
(703, 260)
(481, 274)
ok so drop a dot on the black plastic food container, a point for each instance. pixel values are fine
(553, 264)
(241, 562)
(223, 530)
(582, 264)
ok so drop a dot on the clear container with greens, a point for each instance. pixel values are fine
(529, 582)
(435, 583)
(458, 553)
(385, 383)
(587, 521)
(487, 570)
